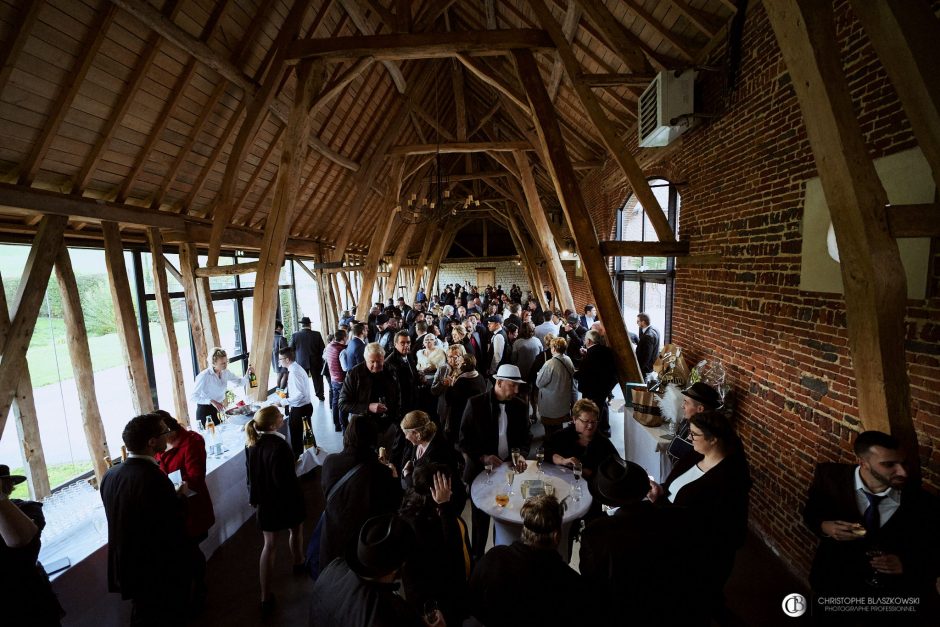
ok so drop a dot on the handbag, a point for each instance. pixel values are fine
(312, 562)
(681, 445)
(645, 409)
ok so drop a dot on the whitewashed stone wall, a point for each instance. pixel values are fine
(507, 273)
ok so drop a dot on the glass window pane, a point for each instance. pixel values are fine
(655, 305)
(172, 284)
(308, 302)
(228, 326)
(219, 282)
(630, 301)
(161, 361)
(287, 313)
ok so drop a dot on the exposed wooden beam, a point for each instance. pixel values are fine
(310, 79)
(335, 87)
(383, 227)
(644, 249)
(457, 147)
(608, 134)
(125, 319)
(172, 270)
(574, 206)
(685, 47)
(429, 236)
(569, 27)
(230, 270)
(433, 11)
(493, 110)
(905, 36)
(874, 280)
(63, 102)
(358, 17)
(460, 103)
(198, 323)
(19, 33)
(387, 17)
(29, 297)
(543, 233)
(403, 15)
(618, 80)
(627, 46)
(914, 220)
(489, 8)
(418, 45)
(26, 419)
(488, 76)
(705, 22)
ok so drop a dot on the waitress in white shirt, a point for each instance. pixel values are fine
(299, 405)
(211, 384)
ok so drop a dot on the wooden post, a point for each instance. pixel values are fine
(383, 227)
(543, 234)
(188, 264)
(76, 334)
(429, 237)
(572, 202)
(29, 297)
(161, 294)
(440, 251)
(332, 299)
(125, 319)
(310, 78)
(25, 418)
(872, 275)
(400, 253)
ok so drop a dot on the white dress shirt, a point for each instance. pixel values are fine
(211, 386)
(298, 386)
(886, 506)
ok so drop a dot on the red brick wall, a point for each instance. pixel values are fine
(785, 350)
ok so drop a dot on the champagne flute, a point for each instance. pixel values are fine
(489, 473)
(873, 579)
(516, 455)
(510, 476)
(432, 611)
(540, 459)
(577, 469)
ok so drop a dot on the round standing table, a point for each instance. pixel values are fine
(508, 520)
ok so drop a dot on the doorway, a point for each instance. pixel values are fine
(486, 276)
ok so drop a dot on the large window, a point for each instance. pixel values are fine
(646, 283)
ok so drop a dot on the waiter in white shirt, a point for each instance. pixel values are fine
(211, 384)
(299, 405)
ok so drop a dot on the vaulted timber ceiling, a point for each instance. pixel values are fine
(141, 104)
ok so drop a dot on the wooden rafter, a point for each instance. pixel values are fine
(609, 135)
(10, 52)
(617, 248)
(418, 45)
(621, 41)
(50, 128)
(686, 48)
(358, 17)
(262, 163)
(874, 280)
(457, 147)
(569, 27)
(618, 80)
(483, 72)
(705, 22)
(434, 10)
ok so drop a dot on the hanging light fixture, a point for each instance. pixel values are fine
(438, 205)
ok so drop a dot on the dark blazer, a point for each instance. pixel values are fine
(277, 344)
(479, 429)
(439, 451)
(910, 534)
(147, 546)
(355, 395)
(273, 486)
(403, 367)
(355, 352)
(647, 349)
(308, 348)
(597, 373)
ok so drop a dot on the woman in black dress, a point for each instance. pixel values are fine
(425, 446)
(274, 489)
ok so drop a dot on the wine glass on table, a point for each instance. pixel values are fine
(510, 476)
(516, 458)
(489, 472)
(540, 459)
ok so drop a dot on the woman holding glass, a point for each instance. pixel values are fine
(430, 358)
(211, 385)
(581, 442)
(444, 378)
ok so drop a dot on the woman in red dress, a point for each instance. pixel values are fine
(186, 452)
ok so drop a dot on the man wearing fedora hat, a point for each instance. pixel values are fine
(308, 353)
(21, 577)
(697, 398)
(493, 424)
(359, 590)
(613, 546)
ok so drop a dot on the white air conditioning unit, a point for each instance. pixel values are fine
(662, 105)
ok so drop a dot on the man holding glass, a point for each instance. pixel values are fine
(494, 423)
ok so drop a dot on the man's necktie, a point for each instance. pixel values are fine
(872, 517)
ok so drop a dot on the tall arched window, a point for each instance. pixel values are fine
(646, 283)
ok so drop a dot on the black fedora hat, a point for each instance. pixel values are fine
(384, 543)
(5, 474)
(704, 394)
(305, 320)
(621, 482)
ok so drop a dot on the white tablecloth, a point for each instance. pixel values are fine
(311, 459)
(508, 520)
(647, 447)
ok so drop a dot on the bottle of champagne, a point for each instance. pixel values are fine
(252, 380)
(308, 439)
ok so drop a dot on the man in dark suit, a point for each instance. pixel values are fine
(148, 560)
(597, 376)
(308, 353)
(647, 348)
(355, 349)
(589, 317)
(493, 424)
(877, 533)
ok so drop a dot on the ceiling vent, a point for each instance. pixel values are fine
(662, 107)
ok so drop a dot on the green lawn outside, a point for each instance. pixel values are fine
(58, 474)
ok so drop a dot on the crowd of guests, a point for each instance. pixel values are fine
(428, 397)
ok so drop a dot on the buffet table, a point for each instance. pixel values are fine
(508, 520)
(647, 447)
